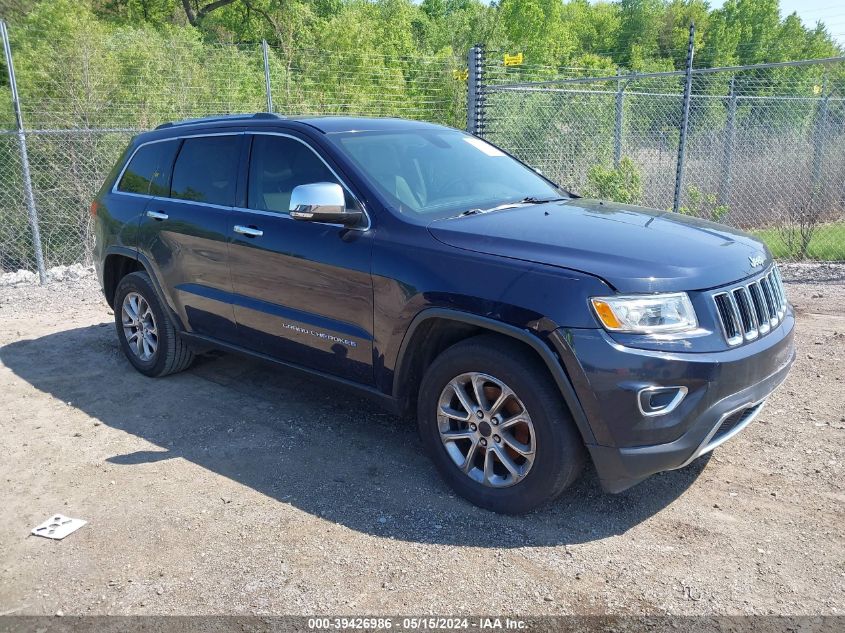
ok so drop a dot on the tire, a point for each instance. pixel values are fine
(170, 354)
(558, 454)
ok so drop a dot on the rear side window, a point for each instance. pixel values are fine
(206, 170)
(148, 173)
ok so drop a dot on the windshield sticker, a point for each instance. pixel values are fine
(484, 147)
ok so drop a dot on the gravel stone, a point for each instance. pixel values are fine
(306, 534)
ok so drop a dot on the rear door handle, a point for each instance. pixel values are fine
(249, 231)
(157, 215)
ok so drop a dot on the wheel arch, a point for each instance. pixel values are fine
(118, 263)
(435, 329)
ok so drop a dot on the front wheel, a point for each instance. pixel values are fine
(496, 426)
(146, 334)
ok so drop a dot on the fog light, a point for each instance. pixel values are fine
(659, 400)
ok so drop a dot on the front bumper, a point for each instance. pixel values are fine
(725, 392)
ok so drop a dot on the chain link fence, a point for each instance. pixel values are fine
(764, 149)
(67, 169)
(81, 102)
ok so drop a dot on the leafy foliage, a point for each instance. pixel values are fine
(93, 64)
(629, 33)
(620, 184)
(703, 205)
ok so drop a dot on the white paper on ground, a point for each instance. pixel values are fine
(58, 526)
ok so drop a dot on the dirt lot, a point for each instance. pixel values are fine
(240, 488)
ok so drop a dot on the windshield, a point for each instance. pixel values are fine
(442, 172)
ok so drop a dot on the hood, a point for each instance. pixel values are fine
(633, 248)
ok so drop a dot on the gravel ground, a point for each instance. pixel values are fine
(239, 488)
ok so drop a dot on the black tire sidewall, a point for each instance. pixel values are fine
(559, 448)
(140, 283)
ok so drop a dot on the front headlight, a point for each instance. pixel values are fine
(646, 314)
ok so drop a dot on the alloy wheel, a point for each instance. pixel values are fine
(486, 430)
(139, 326)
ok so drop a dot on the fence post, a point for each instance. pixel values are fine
(617, 129)
(819, 138)
(265, 51)
(682, 144)
(728, 151)
(475, 90)
(27, 179)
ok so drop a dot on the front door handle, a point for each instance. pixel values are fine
(157, 215)
(249, 231)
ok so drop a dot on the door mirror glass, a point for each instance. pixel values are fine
(322, 202)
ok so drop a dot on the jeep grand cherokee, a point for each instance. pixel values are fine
(526, 327)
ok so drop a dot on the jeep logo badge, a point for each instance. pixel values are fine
(757, 260)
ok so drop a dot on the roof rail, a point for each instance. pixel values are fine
(220, 118)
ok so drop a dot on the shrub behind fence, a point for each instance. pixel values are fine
(82, 102)
(765, 149)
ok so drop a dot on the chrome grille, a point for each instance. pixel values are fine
(770, 302)
(750, 310)
(761, 313)
(746, 312)
(726, 306)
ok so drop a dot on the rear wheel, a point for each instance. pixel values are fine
(146, 334)
(496, 426)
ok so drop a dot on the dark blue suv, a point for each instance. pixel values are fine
(524, 326)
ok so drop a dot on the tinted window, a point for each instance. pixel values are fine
(206, 169)
(441, 172)
(148, 172)
(277, 165)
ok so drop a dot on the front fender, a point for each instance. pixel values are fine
(549, 357)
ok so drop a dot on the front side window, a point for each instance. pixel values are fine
(148, 173)
(440, 172)
(206, 170)
(277, 165)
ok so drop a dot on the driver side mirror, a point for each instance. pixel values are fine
(322, 202)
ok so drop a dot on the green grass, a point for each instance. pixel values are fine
(828, 243)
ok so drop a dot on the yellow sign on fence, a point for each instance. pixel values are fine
(513, 60)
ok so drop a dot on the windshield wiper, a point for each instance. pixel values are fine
(507, 205)
(535, 200)
(510, 205)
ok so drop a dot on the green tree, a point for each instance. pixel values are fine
(673, 39)
(641, 25)
(595, 27)
(537, 28)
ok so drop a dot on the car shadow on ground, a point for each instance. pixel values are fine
(308, 443)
